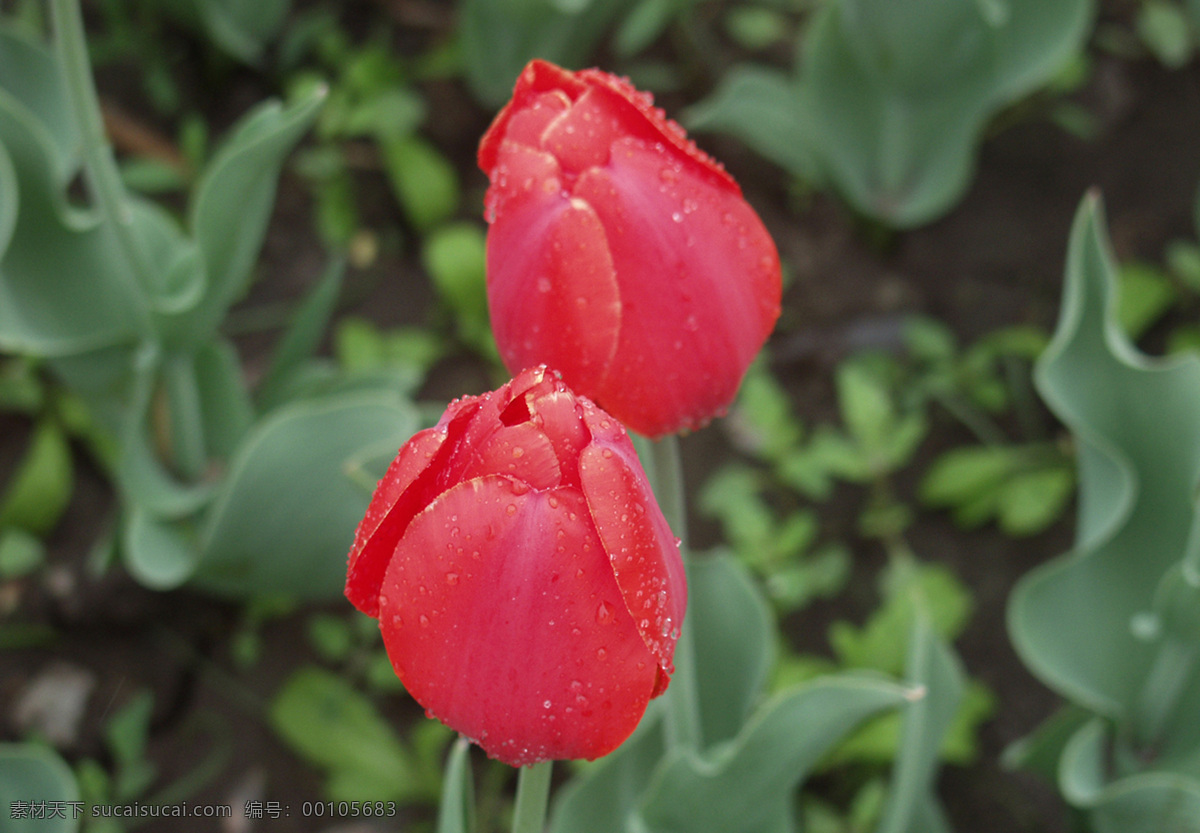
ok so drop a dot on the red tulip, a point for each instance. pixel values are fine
(621, 254)
(528, 588)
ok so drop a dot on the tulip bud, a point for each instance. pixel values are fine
(527, 586)
(621, 254)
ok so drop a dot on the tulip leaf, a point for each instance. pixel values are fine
(733, 630)
(1102, 624)
(31, 773)
(747, 784)
(1146, 802)
(602, 797)
(500, 36)
(63, 287)
(889, 100)
(1136, 492)
(762, 108)
(232, 204)
(224, 403)
(284, 518)
(157, 552)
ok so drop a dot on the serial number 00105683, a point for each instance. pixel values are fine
(348, 809)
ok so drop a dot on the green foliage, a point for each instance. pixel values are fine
(1025, 488)
(372, 97)
(124, 306)
(30, 772)
(1164, 28)
(756, 751)
(1110, 625)
(888, 101)
(334, 727)
(500, 36)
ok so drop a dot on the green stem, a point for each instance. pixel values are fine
(683, 698)
(99, 166)
(533, 790)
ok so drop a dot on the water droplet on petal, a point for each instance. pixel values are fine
(424, 620)
(451, 578)
(604, 613)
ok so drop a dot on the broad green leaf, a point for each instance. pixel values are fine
(63, 286)
(285, 515)
(333, 726)
(746, 785)
(1040, 751)
(28, 773)
(889, 100)
(602, 796)
(500, 36)
(146, 485)
(457, 813)
(40, 489)
(1150, 801)
(159, 553)
(762, 108)
(232, 204)
(733, 632)
(1070, 619)
(225, 405)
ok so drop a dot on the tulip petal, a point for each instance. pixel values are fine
(559, 412)
(502, 617)
(548, 264)
(643, 551)
(702, 254)
(392, 507)
(522, 451)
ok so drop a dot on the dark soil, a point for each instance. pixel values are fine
(995, 260)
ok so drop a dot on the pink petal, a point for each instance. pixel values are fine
(699, 283)
(502, 617)
(640, 544)
(552, 290)
(392, 507)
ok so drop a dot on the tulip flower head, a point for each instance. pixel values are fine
(620, 254)
(527, 586)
